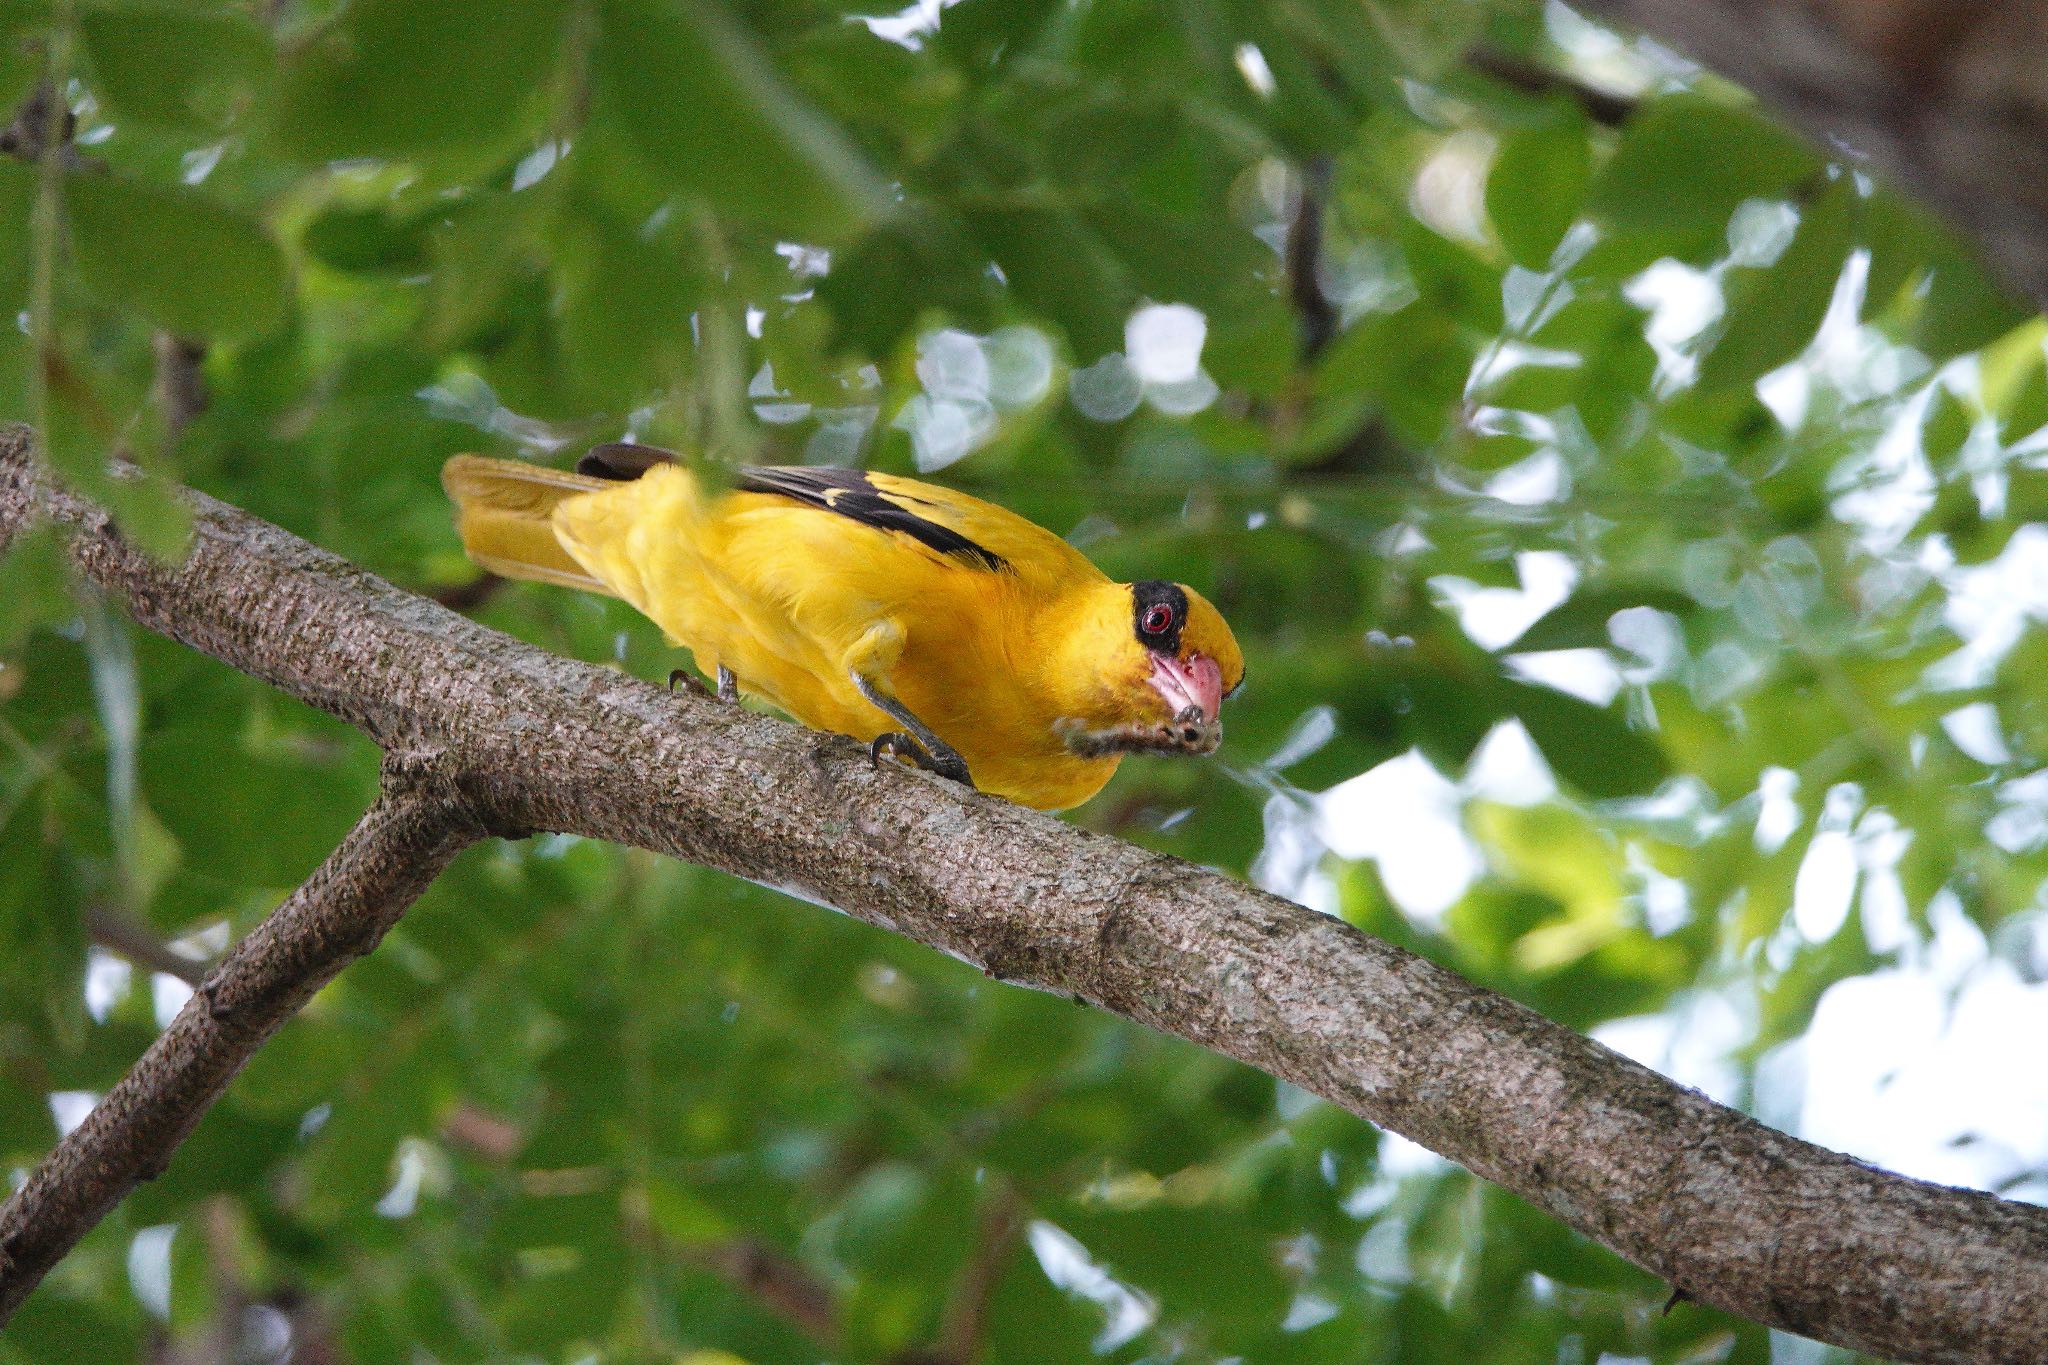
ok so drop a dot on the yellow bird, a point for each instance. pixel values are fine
(934, 625)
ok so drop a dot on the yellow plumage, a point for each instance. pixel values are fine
(807, 584)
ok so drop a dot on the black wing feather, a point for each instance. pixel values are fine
(851, 494)
(848, 492)
(622, 461)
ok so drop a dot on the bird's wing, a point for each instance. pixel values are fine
(956, 526)
(962, 528)
(865, 498)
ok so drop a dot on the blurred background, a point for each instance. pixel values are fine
(1626, 510)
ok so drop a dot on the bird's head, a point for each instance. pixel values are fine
(1146, 667)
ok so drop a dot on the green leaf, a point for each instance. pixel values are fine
(2013, 382)
(195, 267)
(1685, 162)
(983, 36)
(1580, 621)
(150, 515)
(1959, 306)
(1536, 188)
(35, 586)
(20, 62)
(1429, 38)
(368, 239)
(1965, 308)
(1773, 312)
(1414, 362)
(625, 307)
(63, 1327)
(393, 76)
(1450, 712)
(17, 205)
(177, 69)
(1061, 270)
(709, 112)
(1947, 425)
(1594, 748)
(879, 289)
(42, 934)
(480, 254)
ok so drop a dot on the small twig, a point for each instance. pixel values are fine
(126, 936)
(1319, 320)
(231, 1294)
(1602, 106)
(963, 1336)
(780, 1283)
(180, 383)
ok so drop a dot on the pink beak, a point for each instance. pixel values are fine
(1195, 681)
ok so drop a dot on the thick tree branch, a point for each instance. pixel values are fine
(400, 846)
(1945, 96)
(1733, 1213)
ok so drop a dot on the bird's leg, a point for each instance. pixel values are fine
(921, 745)
(728, 685)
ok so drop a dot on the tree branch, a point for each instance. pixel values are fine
(1312, 307)
(126, 936)
(781, 1285)
(1733, 1213)
(180, 382)
(401, 844)
(1945, 96)
(963, 1333)
(1518, 73)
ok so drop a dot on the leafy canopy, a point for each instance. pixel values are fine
(1647, 486)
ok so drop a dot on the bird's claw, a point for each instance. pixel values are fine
(896, 744)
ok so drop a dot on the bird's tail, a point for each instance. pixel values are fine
(505, 511)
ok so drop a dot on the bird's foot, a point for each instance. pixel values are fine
(947, 763)
(728, 685)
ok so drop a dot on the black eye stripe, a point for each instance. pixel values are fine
(1153, 593)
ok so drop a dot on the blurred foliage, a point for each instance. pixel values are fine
(1769, 432)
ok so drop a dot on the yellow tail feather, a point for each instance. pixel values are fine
(504, 512)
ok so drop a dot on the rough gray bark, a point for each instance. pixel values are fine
(1732, 1213)
(1947, 97)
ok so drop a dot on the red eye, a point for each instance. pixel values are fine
(1156, 619)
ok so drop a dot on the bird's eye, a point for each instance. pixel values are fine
(1156, 619)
